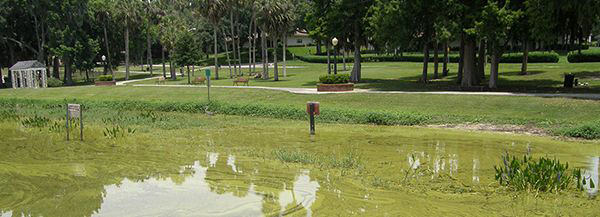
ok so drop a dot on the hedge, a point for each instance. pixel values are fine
(351, 116)
(534, 57)
(585, 56)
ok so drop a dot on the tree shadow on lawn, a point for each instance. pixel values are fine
(449, 83)
(518, 73)
(588, 75)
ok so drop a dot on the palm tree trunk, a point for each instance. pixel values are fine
(239, 41)
(163, 63)
(265, 54)
(276, 70)
(356, 71)
(227, 55)
(494, 70)
(216, 53)
(284, 55)
(232, 22)
(149, 42)
(425, 62)
(126, 51)
(108, 59)
(56, 68)
(344, 56)
(250, 38)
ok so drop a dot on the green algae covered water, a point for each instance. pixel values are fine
(238, 166)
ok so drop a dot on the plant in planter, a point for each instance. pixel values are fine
(335, 83)
(105, 80)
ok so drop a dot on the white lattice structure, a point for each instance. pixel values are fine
(29, 74)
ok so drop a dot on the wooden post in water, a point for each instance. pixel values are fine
(312, 108)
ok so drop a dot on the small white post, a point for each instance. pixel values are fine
(21, 79)
(45, 78)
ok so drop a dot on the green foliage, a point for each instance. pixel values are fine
(117, 132)
(347, 160)
(335, 79)
(543, 174)
(534, 57)
(105, 78)
(590, 130)
(592, 55)
(291, 156)
(35, 121)
(53, 82)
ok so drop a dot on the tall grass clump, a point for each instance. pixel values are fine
(590, 130)
(543, 174)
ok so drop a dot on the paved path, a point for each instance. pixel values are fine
(593, 96)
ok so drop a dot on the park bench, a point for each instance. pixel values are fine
(200, 80)
(161, 80)
(241, 80)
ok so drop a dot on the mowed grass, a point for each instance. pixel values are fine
(443, 109)
(405, 76)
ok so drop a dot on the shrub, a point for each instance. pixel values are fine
(105, 78)
(534, 57)
(543, 174)
(335, 79)
(589, 130)
(53, 82)
(584, 56)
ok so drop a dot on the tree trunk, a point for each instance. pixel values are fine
(11, 54)
(250, 38)
(108, 59)
(254, 36)
(461, 61)
(216, 53)
(318, 46)
(436, 61)
(470, 71)
(344, 56)
(494, 70)
(356, 71)
(227, 55)
(276, 70)
(68, 77)
(425, 62)
(233, 51)
(525, 57)
(482, 60)
(126, 52)
(189, 75)
(265, 58)
(238, 42)
(328, 58)
(149, 41)
(284, 55)
(1, 76)
(163, 63)
(172, 70)
(446, 60)
(56, 68)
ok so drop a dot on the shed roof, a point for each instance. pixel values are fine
(31, 64)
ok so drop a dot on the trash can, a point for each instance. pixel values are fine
(569, 80)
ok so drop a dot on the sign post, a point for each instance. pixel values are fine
(74, 111)
(312, 108)
(207, 73)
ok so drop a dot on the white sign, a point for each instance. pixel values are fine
(74, 110)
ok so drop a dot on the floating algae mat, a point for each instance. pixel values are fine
(240, 166)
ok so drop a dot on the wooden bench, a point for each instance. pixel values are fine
(241, 80)
(161, 80)
(199, 80)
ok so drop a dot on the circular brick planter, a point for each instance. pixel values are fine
(106, 83)
(335, 87)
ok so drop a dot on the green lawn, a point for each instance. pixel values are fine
(543, 77)
(550, 113)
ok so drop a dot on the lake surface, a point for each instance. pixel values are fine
(395, 176)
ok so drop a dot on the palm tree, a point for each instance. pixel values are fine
(129, 12)
(213, 11)
(276, 17)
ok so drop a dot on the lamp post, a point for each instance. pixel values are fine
(104, 63)
(334, 41)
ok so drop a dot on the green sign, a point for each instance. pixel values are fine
(207, 72)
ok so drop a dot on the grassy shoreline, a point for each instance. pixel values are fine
(552, 114)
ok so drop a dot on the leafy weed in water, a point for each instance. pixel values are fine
(117, 132)
(35, 122)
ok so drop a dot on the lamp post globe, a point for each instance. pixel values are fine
(103, 58)
(335, 41)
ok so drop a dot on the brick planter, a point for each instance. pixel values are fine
(106, 83)
(335, 87)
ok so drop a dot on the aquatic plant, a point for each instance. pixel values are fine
(294, 156)
(117, 131)
(35, 121)
(543, 174)
(589, 130)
